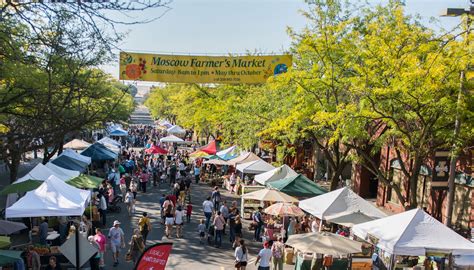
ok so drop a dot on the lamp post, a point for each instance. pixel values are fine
(455, 12)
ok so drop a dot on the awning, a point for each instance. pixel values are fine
(298, 186)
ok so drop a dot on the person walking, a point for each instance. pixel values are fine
(278, 250)
(237, 229)
(202, 231)
(94, 260)
(225, 214)
(144, 180)
(219, 223)
(116, 237)
(240, 255)
(134, 188)
(216, 198)
(264, 257)
(169, 220)
(258, 219)
(137, 246)
(144, 225)
(207, 207)
(100, 239)
(197, 172)
(189, 211)
(233, 183)
(130, 202)
(179, 220)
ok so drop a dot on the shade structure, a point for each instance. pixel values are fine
(198, 154)
(21, 187)
(9, 227)
(210, 148)
(324, 243)
(85, 181)
(338, 203)
(66, 173)
(269, 195)
(9, 256)
(275, 174)
(53, 198)
(40, 172)
(98, 152)
(299, 186)
(176, 130)
(119, 132)
(164, 123)
(4, 241)
(216, 162)
(255, 167)
(76, 144)
(154, 149)
(73, 154)
(70, 163)
(413, 233)
(284, 209)
(228, 153)
(351, 219)
(109, 140)
(171, 139)
(243, 158)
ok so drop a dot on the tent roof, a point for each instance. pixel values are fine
(73, 154)
(109, 140)
(98, 151)
(117, 131)
(85, 181)
(40, 172)
(215, 161)
(351, 219)
(255, 167)
(228, 153)
(337, 203)
(53, 198)
(176, 130)
(271, 195)
(243, 158)
(298, 186)
(68, 174)
(155, 149)
(70, 163)
(275, 174)
(210, 148)
(171, 138)
(77, 144)
(413, 233)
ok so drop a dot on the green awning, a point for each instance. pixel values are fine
(21, 187)
(297, 186)
(9, 256)
(85, 181)
(4, 241)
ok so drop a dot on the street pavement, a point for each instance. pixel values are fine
(187, 252)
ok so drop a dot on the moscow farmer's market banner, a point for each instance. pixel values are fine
(201, 69)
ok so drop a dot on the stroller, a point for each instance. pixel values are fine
(114, 205)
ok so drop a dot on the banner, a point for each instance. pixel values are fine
(441, 170)
(201, 69)
(154, 257)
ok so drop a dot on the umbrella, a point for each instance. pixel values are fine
(85, 181)
(9, 256)
(269, 195)
(4, 241)
(154, 149)
(9, 227)
(21, 187)
(284, 209)
(216, 162)
(198, 154)
(351, 219)
(324, 243)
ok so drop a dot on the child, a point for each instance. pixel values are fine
(189, 210)
(201, 230)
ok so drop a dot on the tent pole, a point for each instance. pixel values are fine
(77, 244)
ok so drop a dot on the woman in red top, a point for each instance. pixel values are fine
(143, 180)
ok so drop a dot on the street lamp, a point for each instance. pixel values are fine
(455, 12)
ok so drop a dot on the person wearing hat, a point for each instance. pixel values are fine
(116, 237)
(264, 257)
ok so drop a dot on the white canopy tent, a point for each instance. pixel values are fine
(413, 233)
(171, 139)
(338, 203)
(109, 140)
(72, 154)
(243, 158)
(275, 174)
(176, 130)
(255, 167)
(53, 198)
(61, 171)
(41, 172)
(77, 144)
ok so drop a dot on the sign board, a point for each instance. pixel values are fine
(201, 69)
(154, 257)
(441, 170)
(86, 250)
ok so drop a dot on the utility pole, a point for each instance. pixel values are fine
(455, 12)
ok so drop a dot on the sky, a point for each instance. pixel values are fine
(220, 27)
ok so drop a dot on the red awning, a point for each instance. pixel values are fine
(156, 150)
(211, 148)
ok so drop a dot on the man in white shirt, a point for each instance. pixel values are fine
(117, 241)
(264, 257)
(207, 207)
(314, 225)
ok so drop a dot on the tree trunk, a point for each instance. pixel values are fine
(14, 165)
(414, 184)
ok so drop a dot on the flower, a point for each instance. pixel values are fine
(133, 71)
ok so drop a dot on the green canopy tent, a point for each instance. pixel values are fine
(85, 181)
(297, 186)
(4, 241)
(21, 187)
(9, 256)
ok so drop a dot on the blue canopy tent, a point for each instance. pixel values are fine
(118, 132)
(98, 152)
(69, 163)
